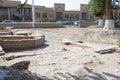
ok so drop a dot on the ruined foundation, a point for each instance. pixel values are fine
(20, 41)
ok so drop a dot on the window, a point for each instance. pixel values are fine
(44, 15)
(77, 16)
(72, 16)
(66, 15)
(84, 15)
(37, 15)
(51, 15)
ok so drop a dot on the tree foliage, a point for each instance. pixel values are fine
(1, 2)
(118, 42)
(20, 6)
(97, 7)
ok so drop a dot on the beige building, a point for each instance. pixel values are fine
(9, 10)
(58, 12)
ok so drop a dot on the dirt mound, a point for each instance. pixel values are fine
(101, 35)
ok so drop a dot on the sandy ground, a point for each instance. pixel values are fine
(69, 62)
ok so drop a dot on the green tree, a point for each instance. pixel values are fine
(21, 7)
(97, 9)
(1, 1)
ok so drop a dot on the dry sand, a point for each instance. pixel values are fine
(69, 62)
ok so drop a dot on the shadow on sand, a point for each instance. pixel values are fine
(92, 76)
(9, 73)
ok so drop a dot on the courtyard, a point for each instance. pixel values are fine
(76, 60)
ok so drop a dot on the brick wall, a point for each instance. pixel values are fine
(20, 42)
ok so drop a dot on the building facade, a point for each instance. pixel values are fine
(58, 12)
(9, 10)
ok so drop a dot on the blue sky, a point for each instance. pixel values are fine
(70, 4)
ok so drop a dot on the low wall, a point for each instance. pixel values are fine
(5, 33)
(16, 37)
(18, 43)
(86, 24)
(29, 25)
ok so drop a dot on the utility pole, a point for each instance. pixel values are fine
(33, 14)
